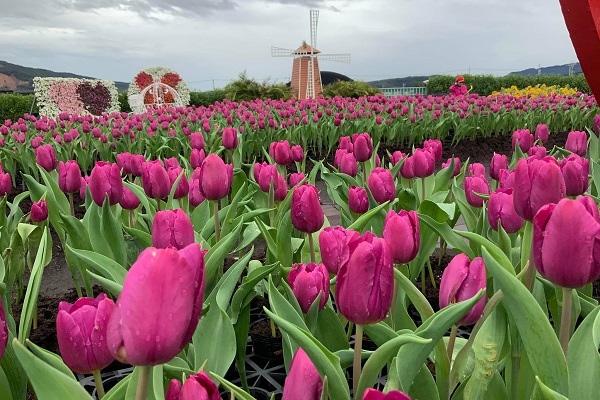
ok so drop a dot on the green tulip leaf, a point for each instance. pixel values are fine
(325, 361)
(50, 359)
(110, 228)
(242, 295)
(143, 238)
(424, 386)
(214, 341)
(224, 289)
(5, 392)
(38, 191)
(110, 285)
(48, 382)
(330, 331)
(540, 342)
(284, 241)
(543, 392)
(449, 235)
(364, 219)
(100, 264)
(381, 357)
(583, 358)
(216, 255)
(494, 250)
(239, 393)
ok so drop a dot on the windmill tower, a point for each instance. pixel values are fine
(306, 76)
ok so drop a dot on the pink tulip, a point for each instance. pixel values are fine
(155, 180)
(172, 228)
(196, 387)
(171, 163)
(476, 169)
(363, 146)
(303, 381)
(407, 169)
(297, 153)
(346, 144)
(39, 211)
(296, 178)
(137, 164)
(501, 208)
(507, 179)
(462, 279)
(281, 189)
(129, 201)
(476, 184)
(281, 152)
(306, 211)
(348, 165)
(372, 394)
(577, 142)
(590, 205)
(358, 201)
(456, 170)
(402, 235)
(499, 162)
(523, 138)
(45, 157)
(307, 281)
(267, 177)
(538, 152)
(397, 156)
(159, 307)
(215, 177)
(196, 158)
(105, 180)
(183, 186)
(197, 141)
(85, 180)
(541, 133)
(435, 147)
(69, 176)
(230, 138)
(423, 163)
(195, 195)
(335, 246)
(337, 159)
(81, 329)
(124, 162)
(382, 186)
(575, 170)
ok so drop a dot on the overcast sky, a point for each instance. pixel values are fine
(211, 41)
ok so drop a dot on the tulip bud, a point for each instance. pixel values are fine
(577, 142)
(575, 170)
(85, 180)
(397, 156)
(363, 146)
(137, 164)
(124, 162)
(196, 158)
(230, 138)
(172, 228)
(303, 381)
(282, 152)
(476, 184)
(81, 329)
(435, 147)
(461, 281)
(196, 387)
(297, 153)
(476, 169)
(407, 170)
(538, 152)
(382, 186)
(296, 178)
(456, 170)
(499, 161)
(105, 180)
(501, 208)
(183, 186)
(45, 157)
(215, 177)
(541, 133)
(335, 246)
(129, 201)
(523, 138)
(423, 163)
(159, 306)
(372, 394)
(365, 283)
(281, 189)
(155, 180)
(69, 176)
(590, 205)
(197, 141)
(346, 144)
(171, 163)
(507, 179)
(537, 183)
(307, 281)
(348, 165)
(267, 177)
(339, 154)
(358, 201)
(5, 184)
(39, 211)
(195, 195)
(306, 211)
(402, 235)
(565, 242)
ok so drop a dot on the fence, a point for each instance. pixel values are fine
(403, 91)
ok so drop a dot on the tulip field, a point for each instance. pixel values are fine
(193, 238)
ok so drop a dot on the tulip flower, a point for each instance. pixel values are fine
(215, 177)
(397, 156)
(337, 159)
(297, 153)
(303, 381)
(307, 282)
(365, 282)
(172, 228)
(256, 170)
(456, 170)
(523, 138)
(155, 180)
(402, 235)
(171, 163)
(196, 387)
(476, 184)
(230, 138)
(85, 180)
(3, 331)
(541, 133)
(577, 142)
(335, 245)
(499, 162)
(346, 144)
(358, 201)
(124, 162)
(195, 195)
(372, 394)
(281, 152)
(129, 201)
(423, 163)
(105, 180)
(435, 147)
(507, 179)
(501, 208)
(39, 211)
(575, 170)
(137, 164)
(538, 152)
(183, 186)
(296, 178)
(267, 177)
(382, 186)
(461, 280)
(281, 189)
(407, 170)
(69, 176)
(306, 211)
(476, 169)
(45, 157)
(349, 165)
(537, 183)
(363, 146)
(589, 205)
(159, 306)
(197, 141)
(196, 158)
(5, 184)
(81, 330)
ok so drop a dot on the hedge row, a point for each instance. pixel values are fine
(14, 106)
(486, 84)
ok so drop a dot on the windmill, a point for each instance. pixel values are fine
(306, 76)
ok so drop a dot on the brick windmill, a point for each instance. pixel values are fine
(306, 76)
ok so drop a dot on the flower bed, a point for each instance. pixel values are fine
(165, 76)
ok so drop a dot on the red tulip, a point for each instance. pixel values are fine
(45, 157)
(303, 381)
(335, 246)
(307, 281)
(215, 177)
(382, 186)
(159, 307)
(402, 235)
(358, 201)
(306, 211)
(155, 180)
(39, 211)
(105, 180)
(501, 208)
(69, 176)
(462, 279)
(196, 387)
(566, 239)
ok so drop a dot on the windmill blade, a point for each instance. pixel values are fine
(345, 58)
(314, 19)
(281, 52)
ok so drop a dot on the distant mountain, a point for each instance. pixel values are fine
(20, 79)
(554, 70)
(409, 81)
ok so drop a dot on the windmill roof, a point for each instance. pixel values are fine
(305, 48)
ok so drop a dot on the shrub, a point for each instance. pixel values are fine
(354, 89)
(206, 98)
(14, 106)
(247, 89)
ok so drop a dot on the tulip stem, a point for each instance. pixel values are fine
(273, 331)
(131, 223)
(217, 224)
(232, 394)
(142, 385)
(357, 358)
(451, 341)
(311, 245)
(158, 205)
(71, 204)
(423, 189)
(565, 319)
(365, 174)
(431, 276)
(99, 385)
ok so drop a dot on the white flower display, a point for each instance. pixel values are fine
(164, 76)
